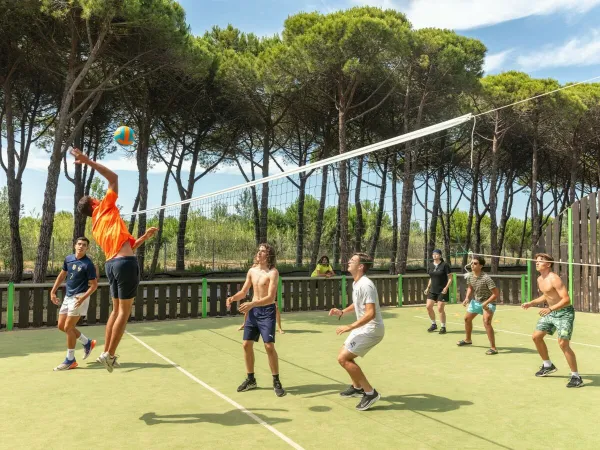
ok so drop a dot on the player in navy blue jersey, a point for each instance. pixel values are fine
(80, 273)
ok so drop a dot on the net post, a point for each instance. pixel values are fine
(344, 293)
(280, 294)
(400, 290)
(10, 306)
(454, 288)
(523, 291)
(204, 296)
(570, 223)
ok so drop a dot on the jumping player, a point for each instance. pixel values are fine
(111, 234)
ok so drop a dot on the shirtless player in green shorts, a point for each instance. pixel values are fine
(558, 315)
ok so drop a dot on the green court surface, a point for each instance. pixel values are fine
(435, 395)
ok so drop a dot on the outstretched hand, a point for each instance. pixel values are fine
(151, 231)
(80, 158)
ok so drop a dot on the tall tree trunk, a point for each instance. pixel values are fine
(142, 164)
(255, 215)
(524, 231)
(161, 220)
(408, 184)
(394, 214)
(380, 209)
(534, 182)
(264, 196)
(472, 206)
(359, 227)
(437, 199)
(300, 224)
(344, 196)
(319, 223)
(13, 187)
(493, 203)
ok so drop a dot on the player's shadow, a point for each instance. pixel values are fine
(287, 331)
(592, 380)
(419, 402)
(316, 390)
(502, 350)
(128, 366)
(231, 418)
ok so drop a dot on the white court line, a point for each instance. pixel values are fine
(280, 435)
(511, 332)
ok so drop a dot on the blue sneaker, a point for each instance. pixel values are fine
(87, 348)
(66, 365)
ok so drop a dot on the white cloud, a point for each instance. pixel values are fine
(467, 14)
(495, 61)
(577, 51)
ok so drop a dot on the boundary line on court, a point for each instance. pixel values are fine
(257, 419)
(513, 332)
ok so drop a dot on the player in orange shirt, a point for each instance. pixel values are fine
(122, 270)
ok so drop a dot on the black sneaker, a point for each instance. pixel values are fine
(433, 327)
(247, 385)
(443, 330)
(575, 381)
(352, 392)
(368, 400)
(279, 391)
(545, 371)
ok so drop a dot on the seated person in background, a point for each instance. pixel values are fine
(323, 268)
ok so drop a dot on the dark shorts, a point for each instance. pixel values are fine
(123, 276)
(439, 297)
(260, 322)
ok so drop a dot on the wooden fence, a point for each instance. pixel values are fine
(573, 237)
(29, 305)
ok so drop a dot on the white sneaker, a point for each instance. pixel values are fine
(107, 361)
(116, 364)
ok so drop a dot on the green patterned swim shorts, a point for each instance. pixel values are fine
(561, 320)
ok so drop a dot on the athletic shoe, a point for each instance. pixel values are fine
(116, 364)
(247, 385)
(433, 327)
(352, 392)
(545, 371)
(279, 391)
(575, 382)
(87, 348)
(368, 400)
(443, 330)
(108, 361)
(66, 365)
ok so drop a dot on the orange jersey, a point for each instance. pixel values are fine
(108, 228)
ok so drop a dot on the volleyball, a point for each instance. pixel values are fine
(124, 135)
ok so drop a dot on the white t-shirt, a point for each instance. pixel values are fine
(363, 292)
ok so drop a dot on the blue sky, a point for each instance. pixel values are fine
(545, 38)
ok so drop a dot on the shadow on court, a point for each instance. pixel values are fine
(231, 418)
(287, 331)
(128, 366)
(419, 402)
(316, 390)
(507, 350)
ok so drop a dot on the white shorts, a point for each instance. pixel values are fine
(68, 307)
(361, 343)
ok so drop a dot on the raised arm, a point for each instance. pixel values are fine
(111, 177)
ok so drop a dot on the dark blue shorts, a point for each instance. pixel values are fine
(123, 275)
(260, 322)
